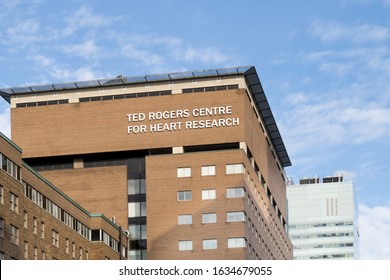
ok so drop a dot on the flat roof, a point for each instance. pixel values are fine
(249, 72)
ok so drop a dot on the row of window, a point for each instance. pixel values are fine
(306, 236)
(349, 223)
(316, 246)
(210, 170)
(333, 256)
(42, 103)
(205, 89)
(209, 218)
(210, 244)
(123, 96)
(210, 194)
(10, 167)
(56, 211)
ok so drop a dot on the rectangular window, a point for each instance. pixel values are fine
(209, 194)
(14, 202)
(1, 255)
(184, 196)
(35, 253)
(209, 244)
(25, 224)
(73, 250)
(55, 238)
(183, 172)
(138, 232)
(236, 216)
(67, 246)
(235, 168)
(1, 194)
(86, 255)
(209, 218)
(2, 228)
(35, 225)
(137, 209)
(208, 170)
(185, 245)
(236, 242)
(235, 192)
(14, 235)
(184, 219)
(42, 230)
(25, 250)
(80, 253)
(43, 255)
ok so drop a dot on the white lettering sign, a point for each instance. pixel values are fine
(159, 121)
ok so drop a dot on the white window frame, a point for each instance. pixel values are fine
(208, 170)
(14, 202)
(238, 242)
(209, 194)
(185, 245)
(235, 216)
(209, 218)
(183, 172)
(184, 219)
(235, 192)
(210, 244)
(14, 235)
(236, 168)
(1, 194)
(187, 195)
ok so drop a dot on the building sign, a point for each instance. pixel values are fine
(175, 120)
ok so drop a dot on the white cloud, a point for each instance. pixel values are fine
(85, 18)
(374, 232)
(143, 56)
(210, 55)
(23, 32)
(87, 49)
(328, 31)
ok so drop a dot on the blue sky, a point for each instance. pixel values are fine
(325, 68)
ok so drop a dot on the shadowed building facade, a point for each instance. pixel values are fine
(191, 163)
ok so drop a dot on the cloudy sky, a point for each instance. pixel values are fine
(325, 68)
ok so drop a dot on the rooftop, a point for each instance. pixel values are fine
(249, 72)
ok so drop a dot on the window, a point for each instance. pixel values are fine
(14, 235)
(209, 218)
(234, 168)
(86, 255)
(14, 202)
(184, 196)
(67, 246)
(25, 224)
(73, 250)
(138, 232)
(208, 170)
(2, 228)
(209, 194)
(236, 242)
(81, 253)
(25, 250)
(42, 230)
(43, 255)
(184, 219)
(236, 216)
(1, 255)
(209, 244)
(185, 245)
(1, 194)
(235, 192)
(35, 225)
(35, 253)
(183, 172)
(55, 238)
(137, 209)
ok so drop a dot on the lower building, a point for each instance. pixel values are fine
(323, 219)
(40, 222)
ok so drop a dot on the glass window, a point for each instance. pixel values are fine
(1, 256)
(184, 196)
(67, 246)
(183, 172)
(25, 224)
(55, 238)
(1, 228)
(14, 234)
(184, 219)
(236, 216)
(235, 192)
(1, 194)
(136, 186)
(42, 230)
(137, 209)
(235, 168)
(14, 202)
(25, 250)
(209, 194)
(35, 253)
(236, 242)
(185, 245)
(209, 244)
(35, 225)
(208, 170)
(209, 218)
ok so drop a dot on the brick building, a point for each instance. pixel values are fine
(38, 221)
(191, 163)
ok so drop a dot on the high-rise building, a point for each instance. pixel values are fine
(191, 163)
(39, 222)
(323, 219)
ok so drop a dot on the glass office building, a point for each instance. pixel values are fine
(323, 219)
